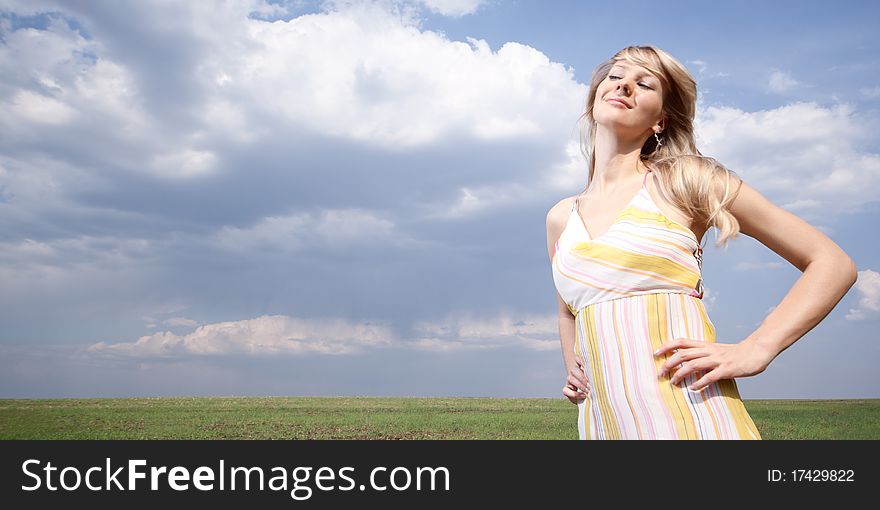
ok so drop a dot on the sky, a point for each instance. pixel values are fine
(349, 198)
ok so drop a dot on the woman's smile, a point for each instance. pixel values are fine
(617, 102)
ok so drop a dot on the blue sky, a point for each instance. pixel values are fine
(349, 198)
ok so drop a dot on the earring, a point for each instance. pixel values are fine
(659, 142)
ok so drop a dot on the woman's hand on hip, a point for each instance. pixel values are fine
(716, 360)
(576, 387)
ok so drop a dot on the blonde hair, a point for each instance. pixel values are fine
(697, 184)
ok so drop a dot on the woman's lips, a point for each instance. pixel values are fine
(618, 102)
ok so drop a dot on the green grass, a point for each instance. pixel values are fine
(380, 418)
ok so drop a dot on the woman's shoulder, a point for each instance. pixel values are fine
(560, 210)
(557, 217)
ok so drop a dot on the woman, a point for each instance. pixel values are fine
(626, 256)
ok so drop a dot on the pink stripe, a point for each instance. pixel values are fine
(657, 251)
(604, 263)
(714, 397)
(598, 281)
(627, 361)
(616, 285)
(615, 393)
(637, 355)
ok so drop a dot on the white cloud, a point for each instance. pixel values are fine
(367, 75)
(804, 155)
(453, 8)
(570, 173)
(347, 225)
(40, 109)
(71, 77)
(702, 67)
(868, 288)
(180, 321)
(361, 71)
(294, 232)
(565, 176)
(30, 255)
(279, 232)
(473, 201)
(163, 309)
(266, 335)
(802, 205)
(108, 90)
(465, 331)
(187, 163)
(870, 92)
(750, 266)
(283, 334)
(781, 82)
(83, 88)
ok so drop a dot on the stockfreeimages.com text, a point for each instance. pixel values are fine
(205, 478)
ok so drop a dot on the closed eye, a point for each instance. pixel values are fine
(618, 77)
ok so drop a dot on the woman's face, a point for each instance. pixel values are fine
(638, 99)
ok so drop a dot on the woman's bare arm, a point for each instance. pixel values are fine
(828, 272)
(576, 380)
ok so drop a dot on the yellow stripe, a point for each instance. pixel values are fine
(653, 217)
(660, 266)
(588, 416)
(578, 352)
(623, 269)
(610, 427)
(745, 427)
(688, 429)
(622, 357)
(708, 328)
(729, 394)
(750, 423)
(657, 334)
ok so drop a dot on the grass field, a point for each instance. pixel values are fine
(380, 418)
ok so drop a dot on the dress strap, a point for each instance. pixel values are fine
(574, 204)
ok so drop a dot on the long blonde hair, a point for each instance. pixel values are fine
(698, 185)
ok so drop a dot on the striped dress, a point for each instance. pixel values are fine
(632, 289)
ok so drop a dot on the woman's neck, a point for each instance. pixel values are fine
(616, 161)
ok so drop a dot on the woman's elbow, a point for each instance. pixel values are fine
(843, 264)
(853, 271)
